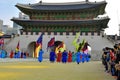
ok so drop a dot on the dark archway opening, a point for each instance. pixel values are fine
(31, 49)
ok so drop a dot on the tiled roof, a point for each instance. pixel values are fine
(60, 22)
(61, 6)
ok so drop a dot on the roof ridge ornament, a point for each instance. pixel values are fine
(40, 1)
(87, 0)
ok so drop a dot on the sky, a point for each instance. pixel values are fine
(8, 11)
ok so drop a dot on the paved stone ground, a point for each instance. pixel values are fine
(31, 69)
(17, 59)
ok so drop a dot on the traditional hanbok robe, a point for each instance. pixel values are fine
(40, 56)
(52, 56)
(69, 57)
(64, 57)
(59, 56)
(78, 60)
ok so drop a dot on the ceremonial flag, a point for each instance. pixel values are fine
(51, 42)
(84, 45)
(75, 41)
(76, 38)
(81, 45)
(38, 46)
(17, 47)
(85, 48)
(61, 47)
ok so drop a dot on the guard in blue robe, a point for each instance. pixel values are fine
(52, 56)
(15, 55)
(78, 60)
(87, 57)
(0, 54)
(40, 56)
(64, 56)
(24, 55)
(83, 57)
(18, 54)
(3, 53)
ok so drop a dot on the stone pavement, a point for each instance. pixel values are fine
(17, 59)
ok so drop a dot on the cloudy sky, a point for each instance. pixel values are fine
(8, 10)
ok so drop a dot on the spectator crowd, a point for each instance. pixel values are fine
(111, 60)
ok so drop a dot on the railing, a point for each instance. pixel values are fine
(112, 38)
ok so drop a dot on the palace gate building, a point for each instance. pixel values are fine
(63, 21)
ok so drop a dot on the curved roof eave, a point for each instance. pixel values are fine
(72, 6)
(59, 22)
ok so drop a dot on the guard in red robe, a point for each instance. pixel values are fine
(59, 56)
(11, 54)
(69, 56)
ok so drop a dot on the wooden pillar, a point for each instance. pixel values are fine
(48, 15)
(73, 17)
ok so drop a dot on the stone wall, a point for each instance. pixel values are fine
(97, 43)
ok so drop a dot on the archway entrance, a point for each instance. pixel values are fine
(59, 45)
(31, 48)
